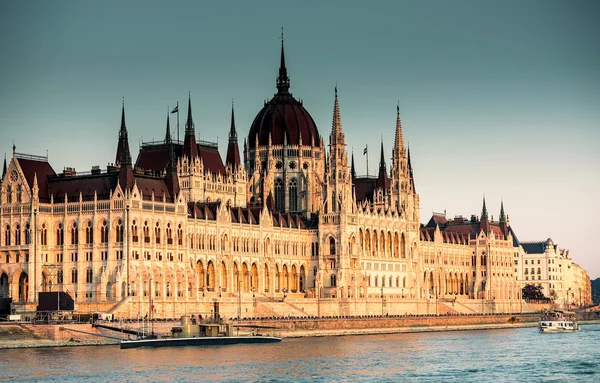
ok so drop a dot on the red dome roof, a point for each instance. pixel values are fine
(281, 117)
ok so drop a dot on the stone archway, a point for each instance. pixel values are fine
(4, 286)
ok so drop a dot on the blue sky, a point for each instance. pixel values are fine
(500, 99)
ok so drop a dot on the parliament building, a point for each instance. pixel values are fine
(283, 226)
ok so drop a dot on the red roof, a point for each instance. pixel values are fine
(42, 169)
(281, 117)
(156, 157)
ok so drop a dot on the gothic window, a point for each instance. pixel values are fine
(279, 195)
(119, 232)
(134, 232)
(74, 234)
(169, 234)
(293, 165)
(383, 281)
(333, 281)
(19, 193)
(179, 235)
(293, 192)
(7, 236)
(539, 270)
(89, 275)
(146, 232)
(9, 194)
(104, 232)
(44, 235)
(27, 234)
(59, 277)
(60, 234)
(157, 233)
(331, 246)
(74, 276)
(89, 233)
(18, 235)
(305, 166)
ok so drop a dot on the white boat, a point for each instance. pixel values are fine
(558, 321)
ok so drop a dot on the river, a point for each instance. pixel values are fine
(507, 355)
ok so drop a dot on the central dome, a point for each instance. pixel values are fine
(283, 118)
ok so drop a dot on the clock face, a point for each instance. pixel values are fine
(14, 176)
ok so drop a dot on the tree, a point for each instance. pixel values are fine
(553, 294)
(533, 292)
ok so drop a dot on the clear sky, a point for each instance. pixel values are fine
(497, 98)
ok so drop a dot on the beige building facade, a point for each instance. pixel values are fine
(289, 229)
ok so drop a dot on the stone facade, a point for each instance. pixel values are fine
(547, 265)
(181, 230)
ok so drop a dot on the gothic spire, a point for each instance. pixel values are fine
(484, 213)
(4, 168)
(189, 142)
(399, 138)
(283, 81)
(123, 156)
(168, 133)
(382, 179)
(233, 151)
(382, 157)
(502, 215)
(352, 169)
(336, 125)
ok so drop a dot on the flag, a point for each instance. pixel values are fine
(365, 151)
(175, 109)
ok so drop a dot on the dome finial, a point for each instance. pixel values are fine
(283, 81)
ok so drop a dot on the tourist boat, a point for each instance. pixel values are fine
(201, 333)
(558, 321)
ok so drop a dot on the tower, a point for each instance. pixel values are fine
(233, 152)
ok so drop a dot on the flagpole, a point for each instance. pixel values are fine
(177, 121)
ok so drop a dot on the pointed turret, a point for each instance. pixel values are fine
(283, 80)
(382, 179)
(4, 168)
(189, 142)
(399, 138)
(123, 156)
(484, 212)
(171, 178)
(337, 136)
(168, 133)
(233, 151)
(502, 221)
(485, 223)
(352, 168)
(410, 173)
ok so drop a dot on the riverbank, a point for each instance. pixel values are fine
(22, 340)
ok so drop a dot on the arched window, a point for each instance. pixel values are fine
(333, 280)
(18, 235)
(526, 271)
(89, 276)
(27, 234)
(179, 235)
(7, 236)
(119, 231)
(134, 232)
(539, 270)
(89, 233)
(74, 234)
(279, 195)
(293, 193)
(60, 235)
(104, 233)
(157, 233)
(331, 246)
(146, 232)
(169, 234)
(44, 235)
(74, 276)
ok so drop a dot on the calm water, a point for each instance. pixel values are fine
(516, 355)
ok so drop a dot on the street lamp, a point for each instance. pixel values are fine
(382, 302)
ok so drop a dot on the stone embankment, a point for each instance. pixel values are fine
(28, 335)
